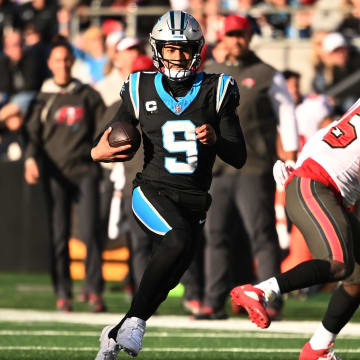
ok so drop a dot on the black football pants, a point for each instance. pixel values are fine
(140, 243)
(183, 216)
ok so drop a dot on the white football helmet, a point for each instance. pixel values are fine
(178, 28)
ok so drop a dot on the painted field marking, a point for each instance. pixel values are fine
(164, 334)
(173, 321)
(188, 350)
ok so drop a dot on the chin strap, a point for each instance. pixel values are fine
(177, 75)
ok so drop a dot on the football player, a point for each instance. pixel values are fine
(319, 194)
(186, 118)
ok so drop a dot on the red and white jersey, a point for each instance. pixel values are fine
(337, 149)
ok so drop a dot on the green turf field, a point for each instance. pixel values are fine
(56, 340)
(34, 291)
(46, 341)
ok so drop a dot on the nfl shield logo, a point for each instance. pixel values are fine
(177, 109)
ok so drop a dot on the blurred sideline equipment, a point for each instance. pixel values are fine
(117, 176)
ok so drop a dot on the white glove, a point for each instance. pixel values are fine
(282, 170)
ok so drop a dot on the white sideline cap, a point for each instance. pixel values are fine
(333, 41)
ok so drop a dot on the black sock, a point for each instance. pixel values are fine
(341, 308)
(306, 274)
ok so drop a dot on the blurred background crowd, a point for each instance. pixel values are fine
(94, 28)
(313, 43)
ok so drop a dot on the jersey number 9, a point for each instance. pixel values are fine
(188, 146)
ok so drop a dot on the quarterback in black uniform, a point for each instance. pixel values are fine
(186, 119)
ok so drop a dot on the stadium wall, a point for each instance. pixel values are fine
(24, 230)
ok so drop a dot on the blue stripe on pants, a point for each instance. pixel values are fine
(147, 214)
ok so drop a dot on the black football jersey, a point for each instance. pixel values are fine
(173, 156)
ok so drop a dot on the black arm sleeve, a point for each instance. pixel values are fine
(230, 145)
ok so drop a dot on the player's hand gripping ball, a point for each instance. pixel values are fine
(124, 133)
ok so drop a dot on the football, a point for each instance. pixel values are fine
(124, 133)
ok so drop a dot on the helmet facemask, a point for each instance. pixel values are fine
(179, 29)
(187, 66)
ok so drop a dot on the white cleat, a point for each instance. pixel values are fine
(130, 335)
(109, 349)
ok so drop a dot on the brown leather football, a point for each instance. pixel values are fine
(124, 133)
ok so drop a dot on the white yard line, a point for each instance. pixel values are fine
(165, 334)
(187, 350)
(184, 322)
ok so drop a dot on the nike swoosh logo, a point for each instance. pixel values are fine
(202, 221)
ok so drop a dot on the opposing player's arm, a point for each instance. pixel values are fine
(230, 144)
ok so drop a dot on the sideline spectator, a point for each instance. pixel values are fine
(111, 26)
(41, 14)
(38, 49)
(12, 137)
(244, 6)
(317, 52)
(302, 24)
(266, 107)
(328, 14)
(9, 17)
(127, 51)
(111, 43)
(143, 63)
(278, 18)
(338, 74)
(21, 76)
(313, 111)
(210, 20)
(145, 22)
(20, 69)
(63, 124)
(219, 52)
(92, 53)
(350, 26)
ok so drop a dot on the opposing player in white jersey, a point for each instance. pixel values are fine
(319, 194)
